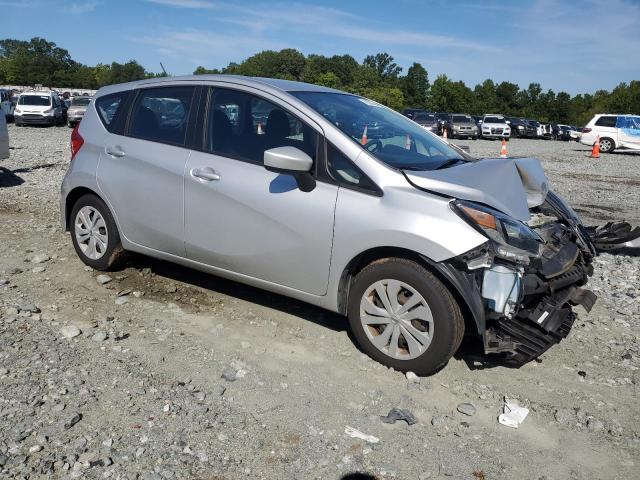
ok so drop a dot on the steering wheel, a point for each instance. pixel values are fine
(377, 144)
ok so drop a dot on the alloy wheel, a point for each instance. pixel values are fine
(397, 319)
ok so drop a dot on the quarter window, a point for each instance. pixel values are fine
(346, 173)
(161, 114)
(243, 126)
(606, 121)
(109, 108)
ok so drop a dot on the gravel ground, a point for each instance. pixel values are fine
(157, 371)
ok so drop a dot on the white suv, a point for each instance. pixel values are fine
(615, 132)
(495, 126)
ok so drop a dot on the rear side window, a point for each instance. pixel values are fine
(110, 109)
(606, 121)
(161, 114)
(243, 126)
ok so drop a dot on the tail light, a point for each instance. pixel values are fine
(76, 141)
(586, 130)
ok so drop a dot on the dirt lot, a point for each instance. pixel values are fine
(177, 374)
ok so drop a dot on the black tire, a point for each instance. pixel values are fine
(69, 124)
(448, 322)
(607, 145)
(475, 138)
(114, 255)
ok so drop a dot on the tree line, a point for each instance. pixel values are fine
(378, 77)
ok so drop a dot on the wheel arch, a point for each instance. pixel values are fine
(72, 197)
(470, 304)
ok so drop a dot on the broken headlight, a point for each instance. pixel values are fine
(510, 238)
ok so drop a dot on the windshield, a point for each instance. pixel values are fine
(461, 119)
(36, 100)
(387, 135)
(80, 101)
(422, 117)
(493, 120)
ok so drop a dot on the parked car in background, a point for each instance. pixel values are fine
(561, 132)
(412, 112)
(444, 123)
(6, 106)
(76, 110)
(463, 126)
(575, 132)
(271, 209)
(38, 108)
(616, 132)
(537, 126)
(495, 126)
(427, 121)
(4, 138)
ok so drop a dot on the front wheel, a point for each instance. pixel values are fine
(94, 234)
(404, 317)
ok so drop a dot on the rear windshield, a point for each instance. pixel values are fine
(493, 120)
(461, 119)
(35, 100)
(80, 101)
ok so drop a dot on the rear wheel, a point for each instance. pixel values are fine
(94, 234)
(404, 317)
(607, 145)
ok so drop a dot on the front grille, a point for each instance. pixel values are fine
(497, 130)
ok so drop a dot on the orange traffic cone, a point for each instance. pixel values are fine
(445, 135)
(407, 142)
(503, 150)
(260, 131)
(363, 140)
(595, 151)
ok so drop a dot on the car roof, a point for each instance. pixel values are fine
(272, 83)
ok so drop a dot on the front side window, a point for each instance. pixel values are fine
(35, 100)
(161, 114)
(606, 121)
(346, 173)
(243, 126)
(389, 136)
(629, 125)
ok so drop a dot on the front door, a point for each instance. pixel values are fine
(242, 218)
(142, 172)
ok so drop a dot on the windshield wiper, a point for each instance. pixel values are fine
(449, 162)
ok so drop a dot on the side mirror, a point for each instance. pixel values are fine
(291, 161)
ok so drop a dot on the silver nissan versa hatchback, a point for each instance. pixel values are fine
(335, 200)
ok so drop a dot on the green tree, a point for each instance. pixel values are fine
(416, 86)
(384, 65)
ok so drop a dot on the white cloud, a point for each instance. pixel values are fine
(79, 8)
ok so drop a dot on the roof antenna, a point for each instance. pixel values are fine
(165, 72)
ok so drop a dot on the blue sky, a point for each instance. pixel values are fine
(575, 46)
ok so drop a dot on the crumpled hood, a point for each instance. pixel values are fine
(512, 185)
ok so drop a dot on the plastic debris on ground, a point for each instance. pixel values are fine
(352, 432)
(396, 414)
(513, 414)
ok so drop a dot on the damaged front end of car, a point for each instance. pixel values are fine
(529, 275)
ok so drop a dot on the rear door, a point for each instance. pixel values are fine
(606, 127)
(141, 172)
(242, 218)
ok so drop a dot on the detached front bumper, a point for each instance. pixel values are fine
(526, 309)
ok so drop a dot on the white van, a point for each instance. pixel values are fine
(38, 108)
(620, 132)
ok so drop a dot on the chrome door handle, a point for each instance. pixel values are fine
(116, 152)
(207, 174)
